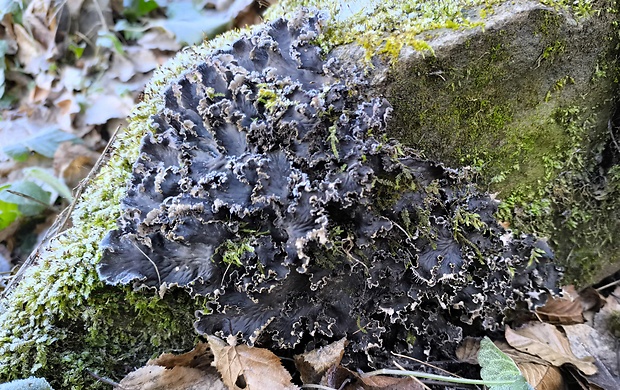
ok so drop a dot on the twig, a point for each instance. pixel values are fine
(104, 380)
(47, 206)
(425, 375)
(61, 221)
(425, 364)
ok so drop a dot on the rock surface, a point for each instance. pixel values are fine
(520, 91)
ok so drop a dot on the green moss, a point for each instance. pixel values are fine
(232, 252)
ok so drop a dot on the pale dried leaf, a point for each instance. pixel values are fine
(106, 107)
(249, 368)
(72, 162)
(467, 352)
(144, 60)
(177, 378)
(542, 377)
(546, 342)
(31, 54)
(122, 68)
(561, 311)
(313, 365)
(198, 357)
(159, 39)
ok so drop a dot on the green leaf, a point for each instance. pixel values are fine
(50, 180)
(25, 205)
(45, 143)
(135, 9)
(498, 367)
(77, 50)
(9, 212)
(110, 41)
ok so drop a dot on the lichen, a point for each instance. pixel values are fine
(305, 166)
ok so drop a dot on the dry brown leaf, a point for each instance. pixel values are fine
(467, 352)
(249, 368)
(313, 365)
(72, 162)
(177, 378)
(545, 341)
(562, 311)
(338, 377)
(199, 357)
(591, 299)
(188, 371)
(380, 382)
(542, 377)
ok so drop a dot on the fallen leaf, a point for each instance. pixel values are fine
(313, 365)
(249, 368)
(188, 371)
(106, 107)
(31, 54)
(542, 377)
(382, 382)
(200, 356)
(338, 377)
(160, 39)
(177, 378)
(467, 351)
(562, 311)
(545, 341)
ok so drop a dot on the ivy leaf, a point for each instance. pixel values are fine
(27, 205)
(498, 367)
(45, 143)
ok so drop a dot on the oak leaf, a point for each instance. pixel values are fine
(249, 368)
(313, 365)
(545, 341)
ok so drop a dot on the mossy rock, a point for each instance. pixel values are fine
(529, 118)
(521, 93)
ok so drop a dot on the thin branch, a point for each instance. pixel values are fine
(17, 193)
(104, 380)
